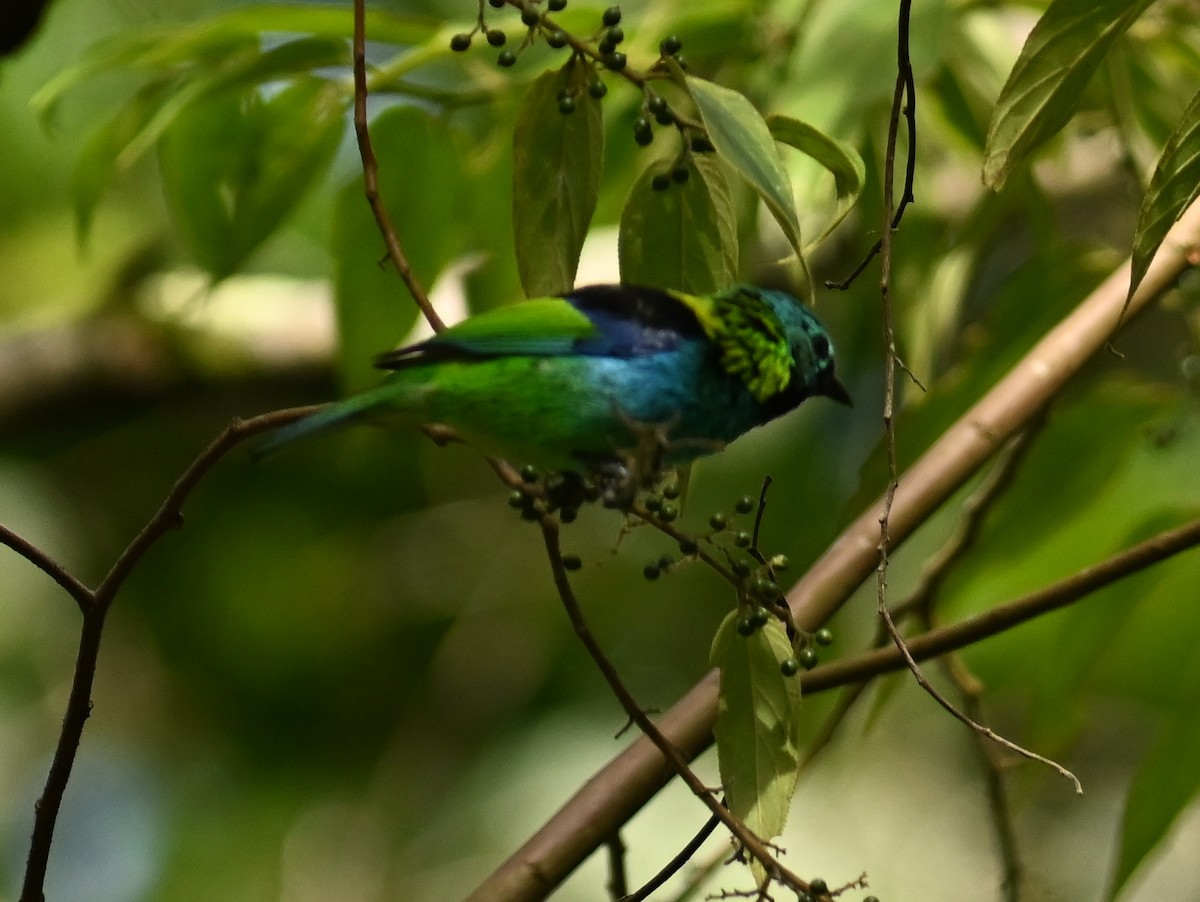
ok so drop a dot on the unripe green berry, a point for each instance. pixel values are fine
(789, 667)
(717, 521)
(597, 88)
(808, 658)
(496, 37)
(670, 45)
(615, 61)
(742, 539)
(566, 104)
(611, 16)
(506, 58)
(529, 15)
(823, 636)
(557, 39)
(571, 562)
(651, 571)
(740, 569)
(516, 498)
(669, 491)
(460, 42)
(744, 505)
(660, 182)
(668, 513)
(680, 174)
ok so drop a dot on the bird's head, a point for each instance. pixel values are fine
(813, 369)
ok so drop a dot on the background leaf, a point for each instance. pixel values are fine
(1173, 187)
(1045, 86)
(235, 165)
(558, 159)
(758, 723)
(684, 237)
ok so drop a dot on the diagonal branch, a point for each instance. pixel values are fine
(627, 782)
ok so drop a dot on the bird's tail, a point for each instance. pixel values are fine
(332, 416)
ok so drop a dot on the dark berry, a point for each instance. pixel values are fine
(746, 625)
(681, 174)
(871, 899)
(818, 887)
(789, 667)
(671, 491)
(530, 15)
(506, 58)
(763, 587)
(808, 658)
(670, 45)
(529, 473)
(597, 88)
(760, 616)
(665, 562)
(496, 37)
(744, 505)
(653, 502)
(668, 513)
(557, 39)
(460, 42)
(516, 498)
(643, 135)
(556, 6)
(740, 569)
(611, 16)
(660, 182)
(742, 539)
(615, 61)
(656, 103)
(666, 117)
(616, 35)
(718, 522)
(688, 546)
(701, 144)
(566, 104)
(651, 571)
(497, 4)
(606, 46)
(571, 562)
(568, 514)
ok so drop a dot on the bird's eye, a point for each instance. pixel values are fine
(821, 346)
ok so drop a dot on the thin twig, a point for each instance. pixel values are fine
(672, 867)
(752, 843)
(79, 702)
(84, 597)
(370, 167)
(618, 883)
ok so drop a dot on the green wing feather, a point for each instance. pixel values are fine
(753, 343)
(540, 327)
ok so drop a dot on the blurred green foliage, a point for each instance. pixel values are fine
(349, 676)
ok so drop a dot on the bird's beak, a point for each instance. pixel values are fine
(835, 390)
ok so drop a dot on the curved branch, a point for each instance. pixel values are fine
(82, 594)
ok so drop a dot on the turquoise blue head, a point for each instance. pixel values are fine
(813, 366)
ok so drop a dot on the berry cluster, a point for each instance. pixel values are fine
(599, 53)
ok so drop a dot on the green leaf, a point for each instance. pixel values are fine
(684, 237)
(235, 165)
(1165, 784)
(374, 311)
(1173, 187)
(558, 159)
(1043, 90)
(840, 159)
(744, 141)
(758, 724)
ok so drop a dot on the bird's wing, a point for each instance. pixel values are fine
(541, 327)
(752, 341)
(598, 320)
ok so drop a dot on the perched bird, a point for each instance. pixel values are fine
(574, 383)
